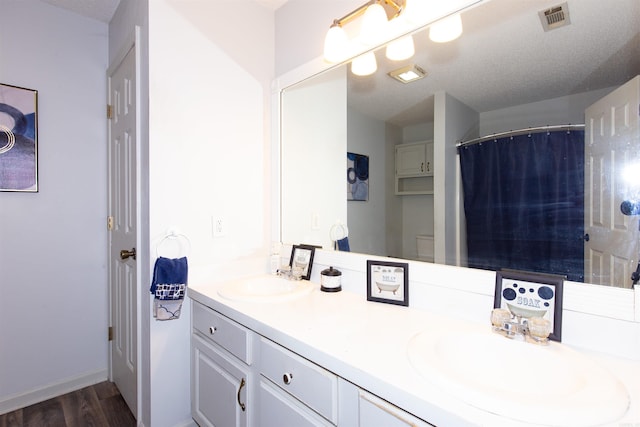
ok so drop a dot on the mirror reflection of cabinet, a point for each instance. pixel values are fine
(414, 168)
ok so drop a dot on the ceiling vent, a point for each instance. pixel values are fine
(555, 17)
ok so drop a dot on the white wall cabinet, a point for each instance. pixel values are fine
(240, 379)
(414, 168)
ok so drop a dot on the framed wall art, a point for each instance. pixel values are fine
(388, 282)
(18, 139)
(302, 258)
(528, 295)
(357, 177)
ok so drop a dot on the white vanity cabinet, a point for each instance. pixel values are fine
(414, 168)
(374, 411)
(221, 373)
(242, 379)
(295, 391)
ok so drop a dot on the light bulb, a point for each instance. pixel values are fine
(446, 29)
(416, 11)
(374, 25)
(364, 65)
(400, 49)
(335, 44)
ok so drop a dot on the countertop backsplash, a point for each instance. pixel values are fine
(595, 318)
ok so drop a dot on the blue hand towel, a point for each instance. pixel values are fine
(169, 272)
(343, 245)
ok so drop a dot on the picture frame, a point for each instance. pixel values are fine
(357, 177)
(388, 282)
(531, 295)
(18, 139)
(302, 257)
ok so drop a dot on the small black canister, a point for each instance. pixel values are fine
(330, 280)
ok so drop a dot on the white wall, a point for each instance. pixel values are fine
(417, 210)
(556, 111)
(300, 29)
(367, 219)
(53, 247)
(393, 207)
(314, 195)
(453, 121)
(207, 155)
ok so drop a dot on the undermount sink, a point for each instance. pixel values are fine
(545, 385)
(265, 289)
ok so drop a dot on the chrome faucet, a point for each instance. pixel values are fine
(533, 329)
(290, 273)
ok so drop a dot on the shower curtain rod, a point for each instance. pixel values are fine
(526, 131)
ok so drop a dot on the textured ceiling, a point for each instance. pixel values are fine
(504, 58)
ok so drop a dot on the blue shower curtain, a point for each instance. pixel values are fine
(524, 203)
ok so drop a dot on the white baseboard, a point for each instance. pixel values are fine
(11, 403)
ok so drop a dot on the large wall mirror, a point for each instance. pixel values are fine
(505, 72)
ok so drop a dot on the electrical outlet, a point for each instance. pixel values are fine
(219, 227)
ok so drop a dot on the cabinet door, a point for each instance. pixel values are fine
(278, 408)
(410, 159)
(428, 159)
(377, 412)
(219, 396)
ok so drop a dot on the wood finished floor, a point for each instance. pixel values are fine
(95, 406)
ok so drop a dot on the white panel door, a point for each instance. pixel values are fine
(612, 140)
(123, 228)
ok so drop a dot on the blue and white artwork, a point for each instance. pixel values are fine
(18, 139)
(357, 177)
(527, 295)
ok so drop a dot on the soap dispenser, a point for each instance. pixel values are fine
(274, 258)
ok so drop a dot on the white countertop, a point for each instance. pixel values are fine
(366, 343)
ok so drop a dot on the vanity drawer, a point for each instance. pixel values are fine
(231, 336)
(312, 385)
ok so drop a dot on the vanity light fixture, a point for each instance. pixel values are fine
(384, 20)
(408, 74)
(375, 18)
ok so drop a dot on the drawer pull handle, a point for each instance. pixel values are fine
(287, 378)
(212, 329)
(242, 384)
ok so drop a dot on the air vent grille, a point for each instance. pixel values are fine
(555, 17)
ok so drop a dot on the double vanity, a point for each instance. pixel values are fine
(266, 351)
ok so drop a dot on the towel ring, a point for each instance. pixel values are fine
(172, 235)
(338, 231)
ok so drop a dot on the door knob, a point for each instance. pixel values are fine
(586, 237)
(124, 254)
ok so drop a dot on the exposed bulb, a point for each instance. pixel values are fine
(416, 11)
(364, 65)
(335, 44)
(400, 49)
(446, 29)
(374, 25)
